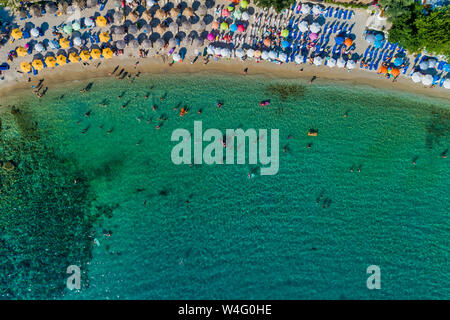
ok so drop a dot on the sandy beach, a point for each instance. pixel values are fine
(154, 63)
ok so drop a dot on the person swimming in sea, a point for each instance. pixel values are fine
(219, 104)
(199, 111)
(87, 114)
(309, 145)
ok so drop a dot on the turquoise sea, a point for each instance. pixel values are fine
(236, 238)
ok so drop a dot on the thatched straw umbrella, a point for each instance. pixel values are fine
(202, 10)
(50, 7)
(189, 12)
(62, 6)
(147, 43)
(159, 43)
(161, 28)
(200, 26)
(120, 44)
(147, 16)
(186, 25)
(133, 16)
(197, 42)
(160, 14)
(119, 30)
(118, 17)
(173, 27)
(91, 3)
(36, 10)
(174, 12)
(80, 4)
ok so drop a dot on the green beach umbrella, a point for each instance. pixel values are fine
(285, 33)
(237, 14)
(243, 4)
(223, 26)
(76, 26)
(68, 29)
(230, 8)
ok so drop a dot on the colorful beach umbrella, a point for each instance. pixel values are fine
(348, 42)
(85, 55)
(225, 12)
(37, 64)
(61, 59)
(68, 29)
(104, 37)
(241, 28)
(233, 27)
(76, 26)
(245, 16)
(313, 36)
(73, 57)
(382, 69)
(50, 61)
(16, 34)
(101, 21)
(379, 37)
(211, 37)
(267, 42)
(395, 72)
(64, 43)
(285, 44)
(339, 40)
(215, 25)
(377, 44)
(237, 14)
(107, 53)
(21, 51)
(25, 67)
(243, 4)
(285, 33)
(34, 32)
(398, 62)
(223, 26)
(88, 22)
(96, 54)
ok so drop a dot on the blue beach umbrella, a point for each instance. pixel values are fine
(398, 62)
(447, 67)
(285, 44)
(370, 38)
(339, 40)
(379, 37)
(233, 27)
(377, 44)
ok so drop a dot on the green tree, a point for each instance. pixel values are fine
(278, 5)
(433, 31)
(396, 8)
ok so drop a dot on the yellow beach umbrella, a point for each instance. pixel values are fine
(104, 37)
(96, 54)
(73, 57)
(61, 59)
(37, 64)
(101, 21)
(16, 33)
(107, 53)
(50, 61)
(25, 67)
(64, 43)
(21, 51)
(85, 55)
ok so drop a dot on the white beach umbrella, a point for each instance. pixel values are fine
(133, 44)
(120, 44)
(306, 9)
(77, 41)
(331, 63)
(316, 10)
(351, 64)
(265, 55)
(240, 53)
(417, 77)
(340, 63)
(427, 79)
(147, 43)
(298, 59)
(250, 53)
(273, 54)
(217, 50)
(245, 16)
(34, 32)
(53, 44)
(282, 56)
(172, 42)
(39, 47)
(210, 49)
(432, 63)
(150, 3)
(315, 27)
(88, 22)
(424, 65)
(176, 57)
(447, 83)
(303, 26)
(225, 52)
(318, 61)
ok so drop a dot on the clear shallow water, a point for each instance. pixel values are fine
(261, 238)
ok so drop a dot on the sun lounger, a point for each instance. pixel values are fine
(304, 58)
(340, 13)
(350, 14)
(366, 52)
(335, 27)
(441, 65)
(441, 83)
(436, 79)
(337, 12)
(375, 65)
(326, 12)
(298, 9)
(345, 15)
(330, 14)
(371, 66)
(405, 69)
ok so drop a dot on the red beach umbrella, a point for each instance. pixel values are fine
(241, 28)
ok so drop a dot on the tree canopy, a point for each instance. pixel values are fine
(278, 5)
(417, 28)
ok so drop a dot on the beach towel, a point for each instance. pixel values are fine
(350, 14)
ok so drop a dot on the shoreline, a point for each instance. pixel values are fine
(62, 75)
